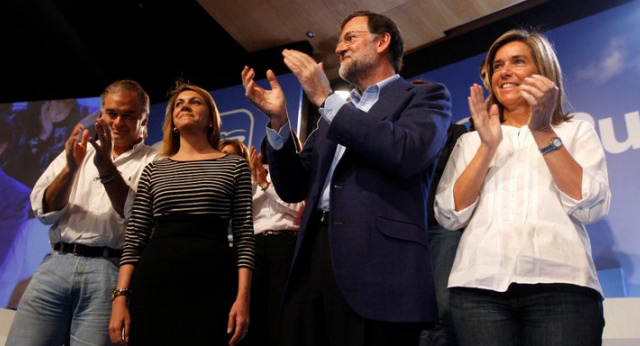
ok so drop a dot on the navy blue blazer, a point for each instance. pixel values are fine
(378, 202)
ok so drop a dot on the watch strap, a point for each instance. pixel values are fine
(552, 145)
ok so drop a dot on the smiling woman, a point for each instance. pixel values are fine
(522, 186)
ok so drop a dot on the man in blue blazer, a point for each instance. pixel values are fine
(361, 273)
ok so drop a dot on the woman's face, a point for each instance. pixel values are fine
(190, 111)
(511, 65)
(229, 150)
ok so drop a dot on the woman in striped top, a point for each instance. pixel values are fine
(187, 288)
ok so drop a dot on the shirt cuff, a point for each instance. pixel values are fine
(48, 218)
(590, 195)
(51, 217)
(449, 218)
(277, 139)
(332, 105)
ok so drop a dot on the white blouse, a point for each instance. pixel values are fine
(522, 228)
(270, 213)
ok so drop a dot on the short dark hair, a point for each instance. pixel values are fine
(127, 85)
(379, 24)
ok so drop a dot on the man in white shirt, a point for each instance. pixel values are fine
(85, 194)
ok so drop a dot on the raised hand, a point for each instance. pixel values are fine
(310, 74)
(103, 158)
(76, 150)
(486, 120)
(542, 95)
(270, 102)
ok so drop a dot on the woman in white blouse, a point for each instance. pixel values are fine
(523, 185)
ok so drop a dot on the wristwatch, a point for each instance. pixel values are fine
(121, 291)
(555, 144)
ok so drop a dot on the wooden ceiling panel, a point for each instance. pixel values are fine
(263, 24)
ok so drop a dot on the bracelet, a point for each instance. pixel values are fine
(105, 178)
(119, 291)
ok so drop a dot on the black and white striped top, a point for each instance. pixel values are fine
(220, 187)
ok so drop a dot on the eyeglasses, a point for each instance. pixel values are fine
(350, 36)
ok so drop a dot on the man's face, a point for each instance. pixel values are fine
(356, 50)
(123, 113)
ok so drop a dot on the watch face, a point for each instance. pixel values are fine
(556, 142)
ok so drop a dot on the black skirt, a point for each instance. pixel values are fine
(185, 283)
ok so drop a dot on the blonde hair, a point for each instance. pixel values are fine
(545, 59)
(239, 147)
(171, 139)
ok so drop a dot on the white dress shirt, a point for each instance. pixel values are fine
(522, 228)
(89, 217)
(272, 213)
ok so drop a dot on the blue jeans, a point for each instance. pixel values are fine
(528, 315)
(443, 245)
(68, 298)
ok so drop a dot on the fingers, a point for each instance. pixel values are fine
(94, 144)
(537, 88)
(273, 81)
(73, 139)
(85, 138)
(241, 329)
(494, 113)
(76, 132)
(103, 131)
(477, 105)
(247, 76)
(296, 60)
(116, 333)
(127, 329)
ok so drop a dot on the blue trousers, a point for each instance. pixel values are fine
(528, 315)
(443, 245)
(68, 298)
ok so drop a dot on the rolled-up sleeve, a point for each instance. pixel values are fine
(37, 194)
(444, 205)
(596, 195)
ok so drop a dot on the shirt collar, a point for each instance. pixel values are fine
(373, 90)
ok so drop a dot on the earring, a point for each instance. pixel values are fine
(211, 125)
(175, 130)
